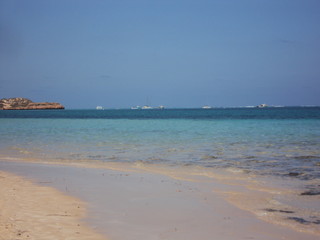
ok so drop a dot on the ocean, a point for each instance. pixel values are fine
(280, 143)
(276, 141)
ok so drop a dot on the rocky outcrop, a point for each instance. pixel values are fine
(26, 104)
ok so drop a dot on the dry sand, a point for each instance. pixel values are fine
(30, 211)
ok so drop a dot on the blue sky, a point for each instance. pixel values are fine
(177, 53)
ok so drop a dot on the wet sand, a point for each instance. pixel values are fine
(126, 202)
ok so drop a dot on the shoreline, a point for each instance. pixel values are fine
(128, 201)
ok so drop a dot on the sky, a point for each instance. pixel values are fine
(176, 53)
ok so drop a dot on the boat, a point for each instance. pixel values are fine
(206, 107)
(136, 107)
(262, 105)
(99, 108)
(146, 107)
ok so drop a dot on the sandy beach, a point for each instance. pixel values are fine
(31, 211)
(122, 202)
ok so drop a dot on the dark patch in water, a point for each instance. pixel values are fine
(305, 157)
(303, 221)
(286, 211)
(187, 164)
(96, 156)
(275, 210)
(316, 222)
(299, 220)
(209, 157)
(294, 174)
(310, 193)
(270, 210)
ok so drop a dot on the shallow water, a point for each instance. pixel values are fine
(279, 141)
(149, 201)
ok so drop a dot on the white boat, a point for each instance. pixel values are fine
(206, 107)
(146, 107)
(262, 105)
(136, 107)
(99, 108)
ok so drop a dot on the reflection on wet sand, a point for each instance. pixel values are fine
(181, 202)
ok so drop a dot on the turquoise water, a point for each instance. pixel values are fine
(270, 141)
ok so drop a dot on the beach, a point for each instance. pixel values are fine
(31, 211)
(125, 201)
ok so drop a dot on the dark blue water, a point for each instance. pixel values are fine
(219, 113)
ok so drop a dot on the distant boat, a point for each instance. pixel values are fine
(262, 105)
(99, 108)
(136, 107)
(146, 107)
(206, 107)
(161, 107)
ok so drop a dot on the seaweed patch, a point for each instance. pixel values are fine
(275, 210)
(294, 174)
(310, 193)
(316, 222)
(299, 220)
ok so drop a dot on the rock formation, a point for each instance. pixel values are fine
(26, 104)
